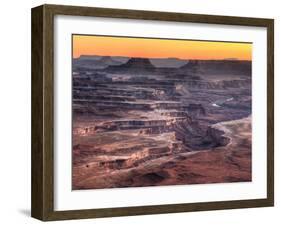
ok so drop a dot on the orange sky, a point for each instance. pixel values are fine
(158, 48)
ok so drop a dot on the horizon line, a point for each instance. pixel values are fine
(226, 59)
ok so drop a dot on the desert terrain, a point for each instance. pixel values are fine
(150, 122)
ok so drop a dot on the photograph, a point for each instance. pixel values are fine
(140, 112)
(156, 112)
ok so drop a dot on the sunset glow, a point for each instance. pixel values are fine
(159, 48)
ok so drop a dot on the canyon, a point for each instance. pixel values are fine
(150, 122)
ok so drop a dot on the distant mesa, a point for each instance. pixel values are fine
(168, 62)
(121, 64)
(89, 57)
(107, 60)
(139, 62)
(231, 59)
(97, 61)
(94, 62)
(136, 65)
(229, 66)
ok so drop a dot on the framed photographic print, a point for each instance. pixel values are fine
(141, 112)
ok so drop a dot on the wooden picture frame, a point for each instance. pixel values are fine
(43, 107)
